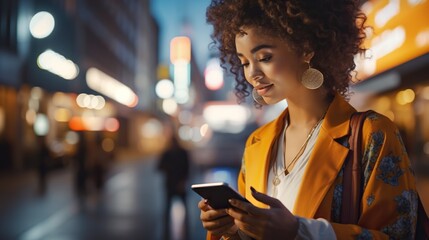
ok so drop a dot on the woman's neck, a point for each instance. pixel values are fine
(306, 110)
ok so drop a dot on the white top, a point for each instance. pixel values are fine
(289, 186)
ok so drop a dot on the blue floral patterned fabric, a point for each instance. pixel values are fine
(387, 190)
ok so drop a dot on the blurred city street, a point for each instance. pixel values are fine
(130, 206)
(109, 108)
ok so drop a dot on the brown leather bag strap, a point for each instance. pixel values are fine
(352, 175)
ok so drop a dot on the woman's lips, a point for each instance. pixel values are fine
(263, 90)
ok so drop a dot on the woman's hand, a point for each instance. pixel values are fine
(217, 222)
(277, 222)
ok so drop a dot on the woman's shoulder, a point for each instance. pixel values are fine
(380, 130)
(375, 122)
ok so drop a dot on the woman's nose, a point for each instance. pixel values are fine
(255, 73)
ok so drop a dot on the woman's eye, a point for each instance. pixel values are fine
(244, 64)
(265, 59)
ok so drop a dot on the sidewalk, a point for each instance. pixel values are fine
(129, 207)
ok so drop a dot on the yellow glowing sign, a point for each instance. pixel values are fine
(400, 33)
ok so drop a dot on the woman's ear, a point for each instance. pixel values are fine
(307, 56)
(307, 53)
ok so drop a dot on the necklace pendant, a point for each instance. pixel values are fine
(276, 181)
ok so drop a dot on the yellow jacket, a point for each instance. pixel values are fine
(389, 201)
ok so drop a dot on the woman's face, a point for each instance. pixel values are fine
(269, 65)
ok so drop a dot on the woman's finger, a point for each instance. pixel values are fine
(247, 207)
(270, 201)
(229, 229)
(218, 224)
(203, 205)
(240, 216)
(212, 215)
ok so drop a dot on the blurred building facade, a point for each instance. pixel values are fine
(395, 69)
(117, 38)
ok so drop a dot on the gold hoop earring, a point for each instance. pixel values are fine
(312, 78)
(258, 98)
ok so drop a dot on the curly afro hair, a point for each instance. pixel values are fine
(332, 29)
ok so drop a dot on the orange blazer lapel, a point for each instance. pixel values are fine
(325, 160)
(258, 156)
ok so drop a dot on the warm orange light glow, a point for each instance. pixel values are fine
(180, 50)
(111, 124)
(2, 119)
(405, 97)
(62, 115)
(163, 72)
(108, 144)
(30, 116)
(92, 123)
(76, 124)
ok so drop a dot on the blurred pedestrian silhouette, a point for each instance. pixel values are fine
(43, 159)
(174, 163)
(97, 160)
(5, 153)
(80, 160)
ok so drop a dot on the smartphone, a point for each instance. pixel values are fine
(217, 194)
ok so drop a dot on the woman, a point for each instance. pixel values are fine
(303, 51)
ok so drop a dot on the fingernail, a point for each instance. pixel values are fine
(253, 190)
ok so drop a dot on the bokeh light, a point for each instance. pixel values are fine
(42, 24)
(62, 115)
(108, 145)
(109, 86)
(112, 124)
(152, 128)
(41, 125)
(405, 97)
(169, 106)
(164, 89)
(71, 137)
(58, 65)
(2, 120)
